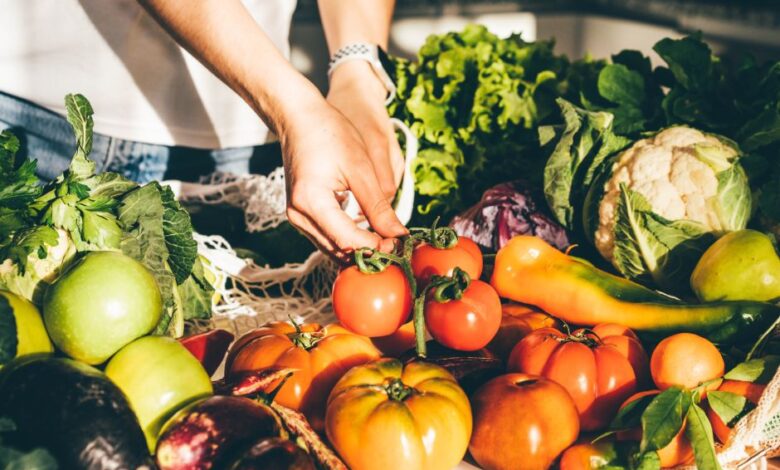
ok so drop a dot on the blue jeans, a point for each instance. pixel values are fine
(47, 137)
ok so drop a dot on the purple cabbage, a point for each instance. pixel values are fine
(506, 210)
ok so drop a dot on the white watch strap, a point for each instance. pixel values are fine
(366, 52)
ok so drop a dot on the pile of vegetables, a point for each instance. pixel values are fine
(44, 228)
(648, 165)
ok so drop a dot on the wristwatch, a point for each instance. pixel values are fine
(375, 56)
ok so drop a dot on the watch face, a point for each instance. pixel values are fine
(387, 63)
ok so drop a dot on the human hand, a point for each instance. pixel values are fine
(324, 156)
(359, 95)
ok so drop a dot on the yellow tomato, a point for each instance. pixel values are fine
(387, 416)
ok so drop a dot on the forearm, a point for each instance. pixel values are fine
(349, 21)
(226, 39)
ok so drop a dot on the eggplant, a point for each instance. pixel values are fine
(275, 453)
(470, 368)
(214, 432)
(74, 411)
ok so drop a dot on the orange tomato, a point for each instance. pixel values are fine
(587, 456)
(598, 372)
(751, 391)
(428, 260)
(516, 322)
(372, 304)
(686, 360)
(677, 452)
(521, 421)
(387, 416)
(320, 355)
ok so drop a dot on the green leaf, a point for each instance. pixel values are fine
(630, 416)
(36, 459)
(759, 370)
(620, 85)
(109, 185)
(728, 406)
(699, 433)
(582, 146)
(9, 342)
(690, 61)
(100, 230)
(141, 213)
(435, 172)
(663, 419)
(649, 247)
(28, 241)
(80, 118)
(647, 461)
(177, 227)
(195, 294)
(734, 199)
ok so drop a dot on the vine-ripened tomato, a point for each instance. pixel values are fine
(468, 323)
(372, 304)
(319, 355)
(388, 416)
(598, 375)
(427, 260)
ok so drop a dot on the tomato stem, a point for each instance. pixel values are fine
(439, 237)
(397, 390)
(301, 339)
(419, 324)
(446, 288)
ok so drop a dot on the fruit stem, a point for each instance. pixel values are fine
(304, 340)
(397, 390)
(439, 237)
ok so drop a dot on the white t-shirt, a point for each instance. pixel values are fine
(142, 85)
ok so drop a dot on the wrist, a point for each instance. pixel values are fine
(358, 74)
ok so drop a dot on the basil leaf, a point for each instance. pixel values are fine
(728, 406)
(663, 419)
(759, 370)
(9, 341)
(699, 433)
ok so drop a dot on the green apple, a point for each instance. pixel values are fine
(159, 376)
(27, 334)
(101, 303)
(741, 265)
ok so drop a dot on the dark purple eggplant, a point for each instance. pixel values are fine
(72, 410)
(274, 453)
(470, 368)
(214, 432)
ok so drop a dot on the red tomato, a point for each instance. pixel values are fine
(466, 324)
(598, 375)
(428, 260)
(372, 304)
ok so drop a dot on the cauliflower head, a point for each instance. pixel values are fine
(679, 186)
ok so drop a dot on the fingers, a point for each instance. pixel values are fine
(318, 213)
(374, 203)
(378, 149)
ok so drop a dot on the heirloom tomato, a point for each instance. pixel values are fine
(598, 372)
(319, 355)
(521, 421)
(428, 260)
(387, 416)
(372, 304)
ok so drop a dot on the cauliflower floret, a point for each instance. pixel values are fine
(675, 171)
